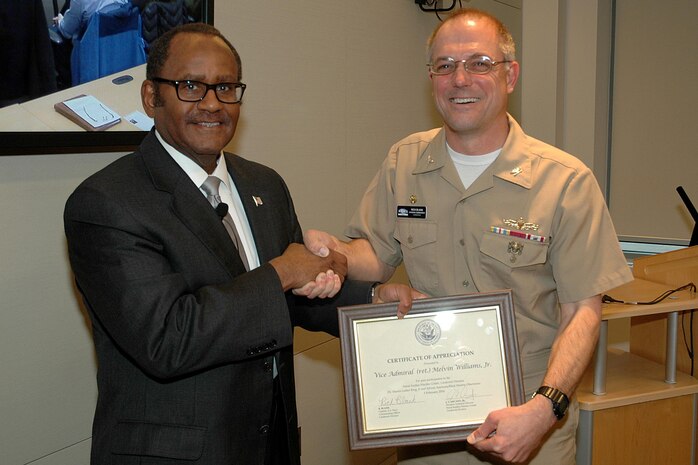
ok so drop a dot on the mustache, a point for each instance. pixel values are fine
(207, 117)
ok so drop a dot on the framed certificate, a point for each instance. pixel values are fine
(432, 376)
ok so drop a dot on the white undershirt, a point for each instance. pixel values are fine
(228, 192)
(470, 167)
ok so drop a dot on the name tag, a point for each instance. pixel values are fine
(411, 211)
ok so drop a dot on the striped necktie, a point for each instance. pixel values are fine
(210, 187)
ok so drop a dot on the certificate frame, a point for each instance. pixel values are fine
(375, 408)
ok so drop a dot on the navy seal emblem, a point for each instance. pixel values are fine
(428, 332)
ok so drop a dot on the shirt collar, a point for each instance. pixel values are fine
(513, 163)
(195, 172)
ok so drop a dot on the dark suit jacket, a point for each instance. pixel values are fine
(184, 336)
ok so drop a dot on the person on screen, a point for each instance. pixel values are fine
(191, 305)
(74, 22)
(477, 205)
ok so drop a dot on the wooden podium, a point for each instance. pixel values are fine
(673, 269)
(635, 408)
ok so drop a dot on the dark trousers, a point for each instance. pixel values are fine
(277, 450)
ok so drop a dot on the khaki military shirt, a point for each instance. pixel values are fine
(454, 240)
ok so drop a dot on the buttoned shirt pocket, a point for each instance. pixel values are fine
(419, 251)
(513, 252)
(510, 262)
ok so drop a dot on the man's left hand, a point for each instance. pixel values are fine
(326, 285)
(513, 434)
(400, 293)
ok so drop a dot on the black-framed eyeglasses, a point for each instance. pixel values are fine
(195, 91)
(479, 64)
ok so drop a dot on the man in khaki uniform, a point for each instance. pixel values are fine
(478, 205)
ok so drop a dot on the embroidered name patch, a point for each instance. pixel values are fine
(411, 211)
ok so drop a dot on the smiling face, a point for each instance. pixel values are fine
(200, 130)
(473, 106)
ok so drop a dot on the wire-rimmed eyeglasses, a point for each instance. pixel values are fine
(479, 64)
(195, 91)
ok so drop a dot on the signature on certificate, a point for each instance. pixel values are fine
(399, 399)
(461, 393)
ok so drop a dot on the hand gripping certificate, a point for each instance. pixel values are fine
(432, 376)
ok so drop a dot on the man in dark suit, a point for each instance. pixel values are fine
(194, 351)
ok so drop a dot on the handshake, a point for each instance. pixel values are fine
(318, 269)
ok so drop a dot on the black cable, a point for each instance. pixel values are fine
(688, 342)
(435, 9)
(610, 300)
(692, 348)
(692, 351)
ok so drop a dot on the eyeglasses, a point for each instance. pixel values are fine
(195, 91)
(480, 64)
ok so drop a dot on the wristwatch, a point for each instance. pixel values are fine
(558, 398)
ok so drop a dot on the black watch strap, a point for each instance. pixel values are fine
(558, 398)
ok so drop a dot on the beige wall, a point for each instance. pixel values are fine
(567, 94)
(566, 76)
(331, 86)
(315, 110)
(653, 142)
(48, 391)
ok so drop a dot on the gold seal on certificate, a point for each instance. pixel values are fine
(432, 376)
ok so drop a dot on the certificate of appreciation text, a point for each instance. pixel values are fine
(438, 371)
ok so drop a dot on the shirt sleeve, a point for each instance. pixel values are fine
(375, 217)
(585, 253)
(69, 26)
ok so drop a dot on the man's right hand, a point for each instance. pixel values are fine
(298, 266)
(362, 262)
(321, 242)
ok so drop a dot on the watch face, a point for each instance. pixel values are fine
(557, 398)
(559, 411)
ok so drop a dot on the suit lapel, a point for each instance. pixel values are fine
(257, 213)
(189, 205)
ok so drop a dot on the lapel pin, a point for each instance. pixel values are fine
(516, 171)
(413, 199)
(257, 201)
(429, 159)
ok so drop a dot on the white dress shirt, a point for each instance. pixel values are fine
(228, 192)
